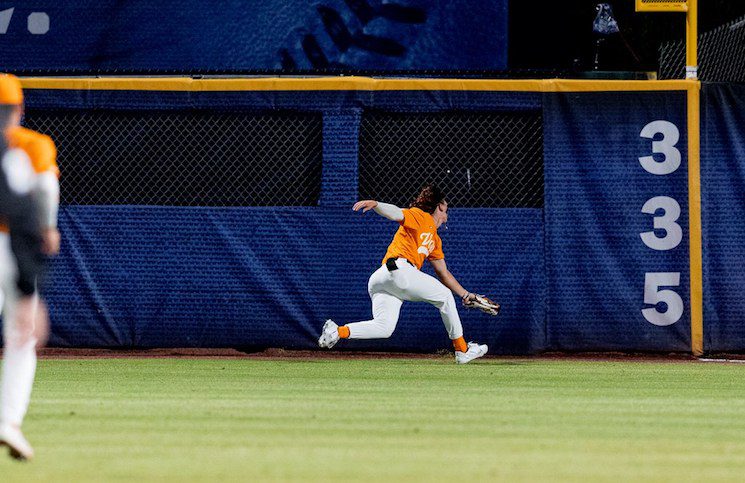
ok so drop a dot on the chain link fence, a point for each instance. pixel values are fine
(188, 158)
(721, 55)
(480, 159)
(203, 158)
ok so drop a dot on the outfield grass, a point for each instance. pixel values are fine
(383, 420)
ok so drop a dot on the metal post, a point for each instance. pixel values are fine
(692, 40)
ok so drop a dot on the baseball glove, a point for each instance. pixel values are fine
(482, 303)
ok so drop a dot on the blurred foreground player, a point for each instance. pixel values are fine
(25, 321)
(43, 155)
(399, 278)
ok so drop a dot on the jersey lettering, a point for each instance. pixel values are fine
(428, 244)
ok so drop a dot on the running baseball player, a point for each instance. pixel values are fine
(25, 322)
(399, 278)
(43, 155)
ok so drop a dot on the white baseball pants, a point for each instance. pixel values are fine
(19, 352)
(388, 290)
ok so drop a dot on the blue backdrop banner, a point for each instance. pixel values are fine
(189, 36)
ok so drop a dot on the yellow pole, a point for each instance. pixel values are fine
(694, 181)
(692, 40)
(694, 220)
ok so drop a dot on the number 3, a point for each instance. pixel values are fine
(665, 147)
(673, 232)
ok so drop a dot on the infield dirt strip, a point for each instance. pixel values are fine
(281, 354)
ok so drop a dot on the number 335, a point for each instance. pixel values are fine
(665, 211)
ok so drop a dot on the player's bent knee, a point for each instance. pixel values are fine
(385, 328)
(388, 332)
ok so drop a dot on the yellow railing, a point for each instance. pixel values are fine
(690, 8)
(662, 6)
(348, 84)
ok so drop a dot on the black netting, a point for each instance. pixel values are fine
(721, 55)
(485, 159)
(185, 158)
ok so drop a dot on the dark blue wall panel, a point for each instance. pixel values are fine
(325, 101)
(595, 190)
(723, 215)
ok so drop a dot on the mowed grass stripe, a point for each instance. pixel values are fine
(375, 420)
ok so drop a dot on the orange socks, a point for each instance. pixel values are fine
(459, 344)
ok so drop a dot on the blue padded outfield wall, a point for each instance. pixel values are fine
(154, 276)
(596, 187)
(723, 215)
(241, 277)
(190, 36)
(603, 266)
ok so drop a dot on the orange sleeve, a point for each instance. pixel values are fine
(437, 253)
(43, 154)
(409, 220)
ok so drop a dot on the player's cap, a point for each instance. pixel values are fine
(11, 92)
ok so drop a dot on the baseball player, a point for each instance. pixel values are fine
(399, 279)
(25, 321)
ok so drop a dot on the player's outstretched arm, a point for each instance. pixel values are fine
(392, 212)
(470, 300)
(448, 280)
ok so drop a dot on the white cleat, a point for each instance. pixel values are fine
(474, 352)
(329, 335)
(18, 447)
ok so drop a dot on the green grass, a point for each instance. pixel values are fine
(383, 420)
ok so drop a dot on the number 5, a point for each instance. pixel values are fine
(653, 296)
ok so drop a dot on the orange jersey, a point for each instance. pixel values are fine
(416, 239)
(39, 148)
